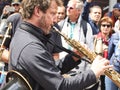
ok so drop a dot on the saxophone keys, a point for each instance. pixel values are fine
(114, 77)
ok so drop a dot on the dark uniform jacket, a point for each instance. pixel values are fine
(30, 57)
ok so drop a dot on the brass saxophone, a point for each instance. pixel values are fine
(112, 74)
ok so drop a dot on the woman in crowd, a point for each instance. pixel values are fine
(101, 41)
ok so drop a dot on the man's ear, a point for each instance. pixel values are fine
(37, 11)
(89, 14)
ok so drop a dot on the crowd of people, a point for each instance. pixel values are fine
(45, 58)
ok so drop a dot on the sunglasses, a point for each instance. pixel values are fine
(106, 25)
(15, 4)
(69, 7)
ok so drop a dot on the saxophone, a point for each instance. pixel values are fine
(112, 74)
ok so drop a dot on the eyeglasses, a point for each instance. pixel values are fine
(69, 7)
(106, 25)
(15, 4)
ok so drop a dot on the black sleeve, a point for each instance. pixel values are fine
(67, 64)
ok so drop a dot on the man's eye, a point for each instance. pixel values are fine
(53, 14)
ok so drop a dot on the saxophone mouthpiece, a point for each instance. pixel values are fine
(55, 28)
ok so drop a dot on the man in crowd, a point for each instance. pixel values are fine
(78, 29)
(115, 13)
(92, 14)
(61, 13)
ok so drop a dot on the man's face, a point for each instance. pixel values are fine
(60, 13)
(48, 19)
(72, 12)
(95, 14)
(116, 12)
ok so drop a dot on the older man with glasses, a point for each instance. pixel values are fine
(76, 28)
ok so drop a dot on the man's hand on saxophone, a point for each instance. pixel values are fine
(99, 66)
(77, 53)
(80, 53)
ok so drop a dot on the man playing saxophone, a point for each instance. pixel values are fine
(30, 57)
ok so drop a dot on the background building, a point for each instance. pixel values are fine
(106, 5)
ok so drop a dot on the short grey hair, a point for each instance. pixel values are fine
(79, 4)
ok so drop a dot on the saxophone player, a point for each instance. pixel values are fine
(30, 56)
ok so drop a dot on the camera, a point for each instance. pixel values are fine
(10, 9)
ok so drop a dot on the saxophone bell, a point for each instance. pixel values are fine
(16, 81)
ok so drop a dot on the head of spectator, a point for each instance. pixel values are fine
(116, 10)
(16, 5)
(3, 3)
(74, 9)
(95, 13)
(106, 26)
(61, 13)
(117, 25)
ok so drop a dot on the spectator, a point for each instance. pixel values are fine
(16, 5)
(113, 56)
(92, 14)
(78, 29)
(30, 57)
(73, 18)
(117, 25)
(2, 4)
(10, 9)
(115, 13)
(101, 41)
(61, 13)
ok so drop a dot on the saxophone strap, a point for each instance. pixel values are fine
(28, 28)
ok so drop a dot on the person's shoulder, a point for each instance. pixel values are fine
(84, 21)
(61, 22)
(14, 16)
(108, 14)
(115, 35)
